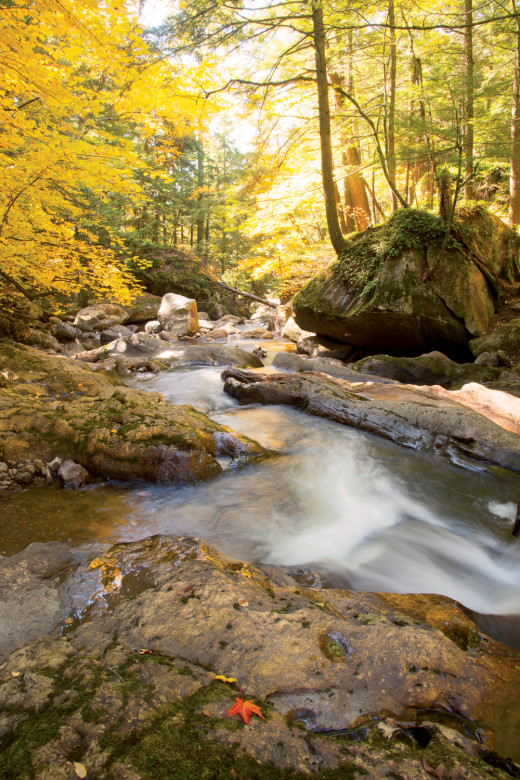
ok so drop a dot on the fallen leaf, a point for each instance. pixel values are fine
(224, 679)
(387, 730)
(245, 709)
(188, 589)
(68, 621)
(206, 712)
(80, 769)
(439, 772)
(16, 674)
(243, 603)
(144, 651)
(113, 430)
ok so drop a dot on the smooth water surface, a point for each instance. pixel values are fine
(363, 512)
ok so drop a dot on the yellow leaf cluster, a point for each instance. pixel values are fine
(72, 70)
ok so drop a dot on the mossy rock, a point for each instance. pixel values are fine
(58, 406)
(390, 291)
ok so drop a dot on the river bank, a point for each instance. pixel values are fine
(78, 602)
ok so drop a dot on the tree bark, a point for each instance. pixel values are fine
(246, 295)
(201, 222)
(445, 197)
(327, 166)
(469, 190)
(357, 208)
(514, 202)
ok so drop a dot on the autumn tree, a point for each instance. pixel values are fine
(80, 84)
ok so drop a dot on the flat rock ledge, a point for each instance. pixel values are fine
(54, 406)
(470, 426)
(131, 689)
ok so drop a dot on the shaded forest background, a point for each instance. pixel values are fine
(122, 163)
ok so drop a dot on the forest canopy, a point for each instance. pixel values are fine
(256, 135)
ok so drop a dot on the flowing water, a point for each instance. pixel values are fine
(362, 512)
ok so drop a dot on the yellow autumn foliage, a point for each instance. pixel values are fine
(73, 72)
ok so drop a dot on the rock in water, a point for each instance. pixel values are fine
(390, 293)
(178, 315)
(72, 474)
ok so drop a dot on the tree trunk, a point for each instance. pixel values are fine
(327, 166)
(421, 163)
(468, 112)
(445, 197)
(514, 202)
(356, 205)
(201, 222)
(391, 103)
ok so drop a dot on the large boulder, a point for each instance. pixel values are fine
(100, 316)
(178, 315)
(505, 338)
(390, 291)
(144, 308)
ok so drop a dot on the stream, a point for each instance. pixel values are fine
(357, 510)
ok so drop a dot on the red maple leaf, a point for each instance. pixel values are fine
(245, 709)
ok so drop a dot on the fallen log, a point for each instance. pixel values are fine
(404, 414)
(247, 295)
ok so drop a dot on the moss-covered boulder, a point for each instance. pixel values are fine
(57, 406)
(391, 291)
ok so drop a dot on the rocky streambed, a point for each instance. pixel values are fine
(113, 653)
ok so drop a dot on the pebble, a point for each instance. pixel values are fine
(31, 471)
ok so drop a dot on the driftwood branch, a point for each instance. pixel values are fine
(247, 295)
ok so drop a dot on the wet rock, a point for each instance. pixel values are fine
(260, 352)
(256, 333)
(30, 605)
(101, 316)
(384, 654)
(72, 474)
(452, 424)
(122, 351)
(153, 326)
(178, 315)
